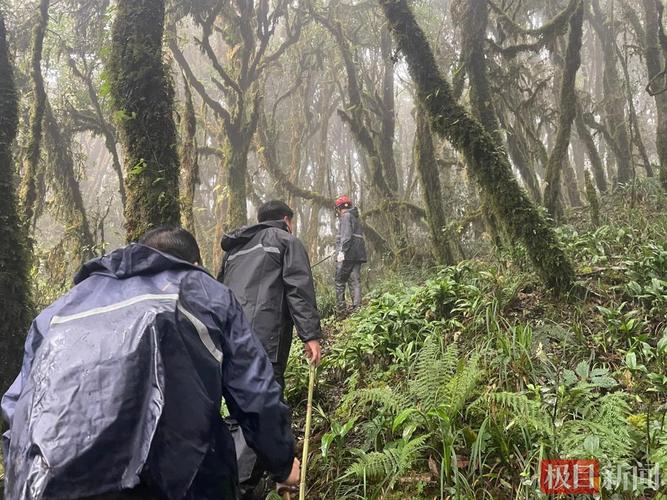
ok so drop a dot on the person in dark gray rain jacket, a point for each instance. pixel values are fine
(123, 378)
(350, 253)
(268, 270)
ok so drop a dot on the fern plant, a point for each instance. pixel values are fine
(387, 466)
(428, 406)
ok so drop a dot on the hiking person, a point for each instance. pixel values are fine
(122, 380)
(350, 253)
(268, 270)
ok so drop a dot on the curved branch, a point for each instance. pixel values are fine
(217, 108)
(548, 30)
(544, 34)
(417, 211)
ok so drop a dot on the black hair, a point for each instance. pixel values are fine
(173, 240)
(274, 210)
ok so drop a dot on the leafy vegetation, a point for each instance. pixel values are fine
(457, 386)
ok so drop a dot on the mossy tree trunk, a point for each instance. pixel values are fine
(429, 176)
(31, 155)
(189, 160)
(14, 313)
(474, 23)
(388, 118)
(614, 102)
(591, 148)
(69, 208)
(655, 61)
(486, 159)
(235, 150)
(568, 111)
(473, 37)
(143, 101)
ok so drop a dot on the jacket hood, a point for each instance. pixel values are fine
(354, 211)
(244, 234)
(132, 260)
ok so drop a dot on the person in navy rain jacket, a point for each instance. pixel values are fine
(123, 377)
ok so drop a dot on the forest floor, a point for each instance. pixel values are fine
(459, 384)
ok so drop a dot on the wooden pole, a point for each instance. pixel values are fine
(309, 411)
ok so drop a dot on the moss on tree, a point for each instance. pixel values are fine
(189, 163)
(614, 105)
(69, 207)
(31, 155)
(592, 150)
(486, 159)
(568, 111)
(14, 312)
(655, 60)
(445, 250)
(143, 103)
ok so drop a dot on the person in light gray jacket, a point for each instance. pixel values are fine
(350, 252)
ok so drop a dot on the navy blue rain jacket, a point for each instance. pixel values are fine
(122, 382)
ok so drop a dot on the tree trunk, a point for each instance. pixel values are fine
(237, 166)
(571, 184)
(143, 101)
(485, 157)
(654, 65)
(388, 115)
(592, 197)
(427, 167)
(15, 310)
(568, 110)
(69, 207)
(592, 150)
(28, 189)
(473, 35)
(189, 165)
(518, 154)
(614, 105)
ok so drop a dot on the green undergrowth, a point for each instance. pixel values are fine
(457, 386)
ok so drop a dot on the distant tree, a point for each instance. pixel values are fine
(446, 251)
(568, 111)
(614, 103)
(143, 101)
(655, 50)
(13, 260)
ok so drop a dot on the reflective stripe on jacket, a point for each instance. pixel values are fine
(350, 237)
(269, 272)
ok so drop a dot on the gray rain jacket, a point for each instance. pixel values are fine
(269, 272)
(350, 237)
(122, 381)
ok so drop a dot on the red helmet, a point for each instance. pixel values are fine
(343, 202)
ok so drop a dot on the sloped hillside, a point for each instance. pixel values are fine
(458, 386)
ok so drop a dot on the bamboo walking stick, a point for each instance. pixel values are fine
(309, 411)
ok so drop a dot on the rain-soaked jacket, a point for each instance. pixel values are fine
(123, 378)
(269, 272)
(350, 237)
